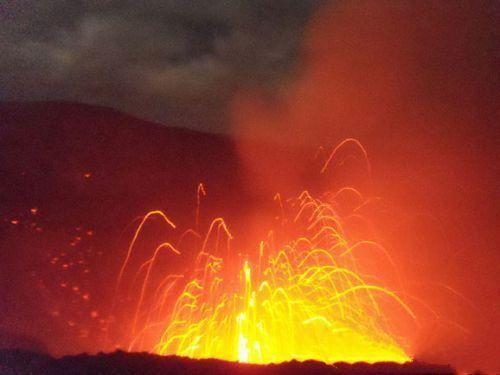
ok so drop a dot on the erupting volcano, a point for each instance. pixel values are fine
(296, 294)
(308, 187)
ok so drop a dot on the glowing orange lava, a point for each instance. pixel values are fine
(299, 295)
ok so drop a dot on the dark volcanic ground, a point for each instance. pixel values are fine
(22, 362)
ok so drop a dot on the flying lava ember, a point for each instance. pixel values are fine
(298, 293)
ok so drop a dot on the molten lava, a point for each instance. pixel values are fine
(299, 295)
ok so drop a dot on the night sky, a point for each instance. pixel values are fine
(176, 62)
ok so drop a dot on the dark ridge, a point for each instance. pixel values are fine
(65, 111)
(119, 362)
(47, 147)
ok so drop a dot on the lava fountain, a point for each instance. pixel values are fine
(299, 294)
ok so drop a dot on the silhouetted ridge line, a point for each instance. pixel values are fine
(119, 362)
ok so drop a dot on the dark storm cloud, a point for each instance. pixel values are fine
(168, 60)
